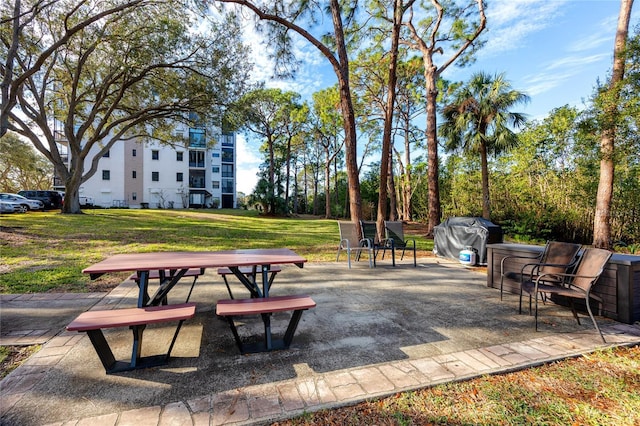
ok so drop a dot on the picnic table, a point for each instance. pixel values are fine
(172, 266)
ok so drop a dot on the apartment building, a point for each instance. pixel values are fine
(198, 173)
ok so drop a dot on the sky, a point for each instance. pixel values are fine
(555, 51)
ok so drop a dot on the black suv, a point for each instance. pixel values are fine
(51, 199)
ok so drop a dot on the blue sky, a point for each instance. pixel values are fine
(553, 50)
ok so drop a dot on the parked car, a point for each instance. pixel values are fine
(9, 207)
(86, 201)
(51, 199)
(25, 202)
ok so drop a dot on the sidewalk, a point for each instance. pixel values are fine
(373, 333)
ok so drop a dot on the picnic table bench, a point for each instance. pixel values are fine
(92, 322)
(230, 308)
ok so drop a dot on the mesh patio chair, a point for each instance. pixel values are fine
(394, 232)
(557, 257)
(350, 242)
(575, 285)
(370, 233)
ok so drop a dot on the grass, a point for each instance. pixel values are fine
(602, 388)
(47, 251)
(12, 356)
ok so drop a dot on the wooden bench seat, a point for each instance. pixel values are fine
(92, 322)
(265, 307)
(250, 273)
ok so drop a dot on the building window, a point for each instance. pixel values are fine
(155, 154)
(215, 169)
(179, 155)
(134, 152)
(179, 177)
(107, 154)
(215, 155)
(134, 196)
(227, 155)
(155, 176)
(227, 186)
(197, 179)
(227, 170)
(134, 174)
(215, 184)
(106, 175)
(227, 139)
(196, 158)
(197, 138)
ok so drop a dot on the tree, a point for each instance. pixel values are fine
(453, 27)
(410, 104)
(325, 124)
(19, 33)
(392, 65)
(158, 73)
(602, 220)
(479, 120)
(21, 167)
(268, 114)
(285, 17)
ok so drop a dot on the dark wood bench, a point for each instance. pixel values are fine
(251, 273)
(231, 308)
(155, 275)
(92, 322)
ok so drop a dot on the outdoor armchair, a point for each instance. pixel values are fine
(575, 285)
(557, 257)
(370, 233)
(350, 242)
(394, 232)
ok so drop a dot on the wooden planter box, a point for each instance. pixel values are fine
(618, 286)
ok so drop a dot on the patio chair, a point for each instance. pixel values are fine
(575, 285)
(370, 233)
(350, 242)
(394, 232)
(557, 257)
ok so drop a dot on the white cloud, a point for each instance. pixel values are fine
(544, 82)
(510, 22)
(577, 62)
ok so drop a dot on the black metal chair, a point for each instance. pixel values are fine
(370, 233)
(394, 232)
(575, 285)
(557, 257)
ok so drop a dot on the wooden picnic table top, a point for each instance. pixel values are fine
(194, 259)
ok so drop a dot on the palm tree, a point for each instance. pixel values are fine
(479, 120)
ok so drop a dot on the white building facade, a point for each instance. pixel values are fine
(199, 173)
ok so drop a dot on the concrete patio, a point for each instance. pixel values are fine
(374, 332)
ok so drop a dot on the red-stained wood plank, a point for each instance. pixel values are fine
(93, 320)
(230, 307)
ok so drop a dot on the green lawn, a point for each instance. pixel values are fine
(47, 251)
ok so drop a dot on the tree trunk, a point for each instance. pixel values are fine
(486, 199)
(386, 159)
(406, 176)
(272, 179)
(348, 115)
(287, 177)
(327, 184)
(602, 219)
(432, 149)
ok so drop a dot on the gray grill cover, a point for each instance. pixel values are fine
(457, 233)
